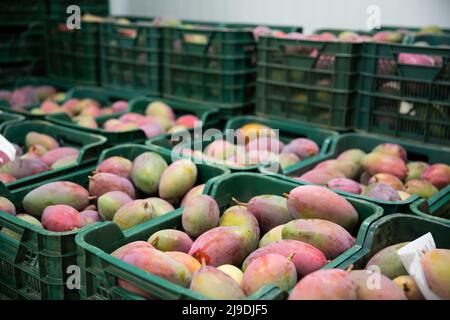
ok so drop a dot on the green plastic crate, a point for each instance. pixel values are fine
(405, 100)
(73, 55)
(89, 146)
(394, 229)
(431, 39)
(437, 208)
(22, 10)
(10, 72)
(207, 114)
(58, 8)
(366, 142)
(35, 267)
(214, 63)
(101, 270)
(308, 81)
(21, 42)
(130, 57)
(7, 119)
(287, 132)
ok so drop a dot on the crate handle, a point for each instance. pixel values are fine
(197, 39)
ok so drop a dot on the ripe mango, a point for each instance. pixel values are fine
(344, 184)
(188, 261)
(415, 169)
(309, 202)
(222, 245)
(269, 210)
(171, 240)
(177, 179)
(389, 179)
(160, 109)
(215, 284)
(200, 214)
(422, 188)
(233, 272)
(66, 161)
(21, 168)
(375, 286)
(409, 287)
(133, 213)
(306, 259)
(103, 182)
(147, 170)
(160, 206)
(381, 191)
(62, 218)
(61, 192)
(435, 264)
(117, 165)
(7, 206)
(58, 153)
(241, 217)
(348, 168)
(327, 284)
(271, 236)
(265, 144)
(288, 159)
(320, 176)
(252, 131)
(91, 216)
(272, 269)
(354, 155)
(302, 148)
(392, 149)
(220, 150)
(375, 163)
(7, 178)
(118, 253)
(195, 191)
(110, 202)
(327, 236)
(438, 174)
(24, 217)
(35, 138)
(388, 261)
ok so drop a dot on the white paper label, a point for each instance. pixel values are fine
(7, 148)
(411, 254)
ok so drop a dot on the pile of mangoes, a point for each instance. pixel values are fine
(30, 95)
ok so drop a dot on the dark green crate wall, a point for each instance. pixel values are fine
(308, 81)
(57, 8)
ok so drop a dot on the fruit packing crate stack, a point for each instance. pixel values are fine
(308, 81)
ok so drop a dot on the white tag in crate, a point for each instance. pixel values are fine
(7, 148)
(411, 254)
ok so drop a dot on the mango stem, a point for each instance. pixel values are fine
(243, 204)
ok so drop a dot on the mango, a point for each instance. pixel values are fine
(272, 269)
(437, 174)
(306, 257)
(320, 176)
(120, 106)
(62, 218)
(288, 159)
(103, 182)
(344, 184)
(66, 161)
(415, 169)
(35, 138)
(271, 236)
(252, 131)
(160, 109)
(220, 150)
(348, 168)
(389, 179)
(21, 168)
(422, 188)
(215, 284)
(388, 261)
(403, 195)
(327, 284)
(133, 213)
(392, 149)
(195, 191)
(241, 217)
(159, 264)
(265, 144)
(147, 170)
(160, 206)
(375, 163)
(233, 272)
(409, 287)
(269, 210)
(200, 214)
(302, 148)
(188, 261)
(86, 121)
(118, 253)
(375, 286)
(7, 178)
(91, 216)
(58, 153)
(7, 206)
(110, 202)
(117, 165)
(315, 202)
(381, 192)
(222, 245)
(328, 237)
(171, 240)
(61, 192)
(435, 264)
(25, 217)
(110, 124)
(177, 179)
(37, 150)
(354, 155)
